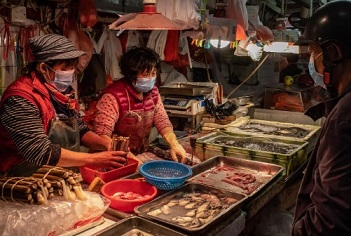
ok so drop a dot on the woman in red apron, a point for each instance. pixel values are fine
(132, 105)
(39, 123)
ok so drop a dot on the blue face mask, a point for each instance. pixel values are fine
(145, 84)
(317, 77)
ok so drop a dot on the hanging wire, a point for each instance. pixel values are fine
(248, 77)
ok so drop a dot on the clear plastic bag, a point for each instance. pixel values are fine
(111, 48)
(54, 219)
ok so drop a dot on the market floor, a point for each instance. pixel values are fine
(275, 219)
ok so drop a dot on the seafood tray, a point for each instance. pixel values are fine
(234, 174)
(193, 207)
(290, 154)
(274, 129)
(138, 226)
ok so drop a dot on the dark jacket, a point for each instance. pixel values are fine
(324, 200)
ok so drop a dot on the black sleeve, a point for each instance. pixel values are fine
(22, 122)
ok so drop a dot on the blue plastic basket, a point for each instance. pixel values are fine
(165, 175)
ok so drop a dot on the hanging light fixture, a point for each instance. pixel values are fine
(148, 19)
(218, 43)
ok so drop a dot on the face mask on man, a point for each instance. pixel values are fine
(317, 77)
(145, 84)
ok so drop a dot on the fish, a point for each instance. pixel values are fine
(190, 205)
(182, 220)
(191, 213)
(184, 201)
(203, 214)
(172, 203)
(165, 210)
(203, 207)
(155, 212)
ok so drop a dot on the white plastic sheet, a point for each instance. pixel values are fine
(54, 219)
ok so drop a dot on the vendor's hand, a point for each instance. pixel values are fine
(254, 51)
(177, 149)
(109, 159)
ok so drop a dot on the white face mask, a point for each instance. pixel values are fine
(63, 79)
(317, 77)
(145, 84)
(64, 76)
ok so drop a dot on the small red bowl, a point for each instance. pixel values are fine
(128, 185)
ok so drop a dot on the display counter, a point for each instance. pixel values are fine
(280, 193)
(232, 225)
(226, 226)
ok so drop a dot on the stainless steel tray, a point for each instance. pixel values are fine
(211, 173)
(177, 210)
(185, 89)
(138, 226)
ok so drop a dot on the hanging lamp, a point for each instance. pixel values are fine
(148, 19)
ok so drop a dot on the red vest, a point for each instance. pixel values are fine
(137, 123)
(31, 89)
(120, 90)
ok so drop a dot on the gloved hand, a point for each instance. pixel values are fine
(176, 148)
(254, 51)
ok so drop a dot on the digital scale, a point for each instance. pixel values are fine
(178, 103)
(187, 98)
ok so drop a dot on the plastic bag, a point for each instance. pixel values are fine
(81, 41)
(112, 50)
(183, 12)
(54, 219)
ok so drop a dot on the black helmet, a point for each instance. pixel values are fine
(330, 25)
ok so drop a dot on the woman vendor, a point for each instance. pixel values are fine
(39, 123)
(132, 105)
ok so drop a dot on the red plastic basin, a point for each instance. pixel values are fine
(90, 172)
(128, 185)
